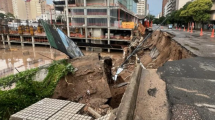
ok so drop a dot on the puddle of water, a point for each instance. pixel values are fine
(23, 58)
(27, 57)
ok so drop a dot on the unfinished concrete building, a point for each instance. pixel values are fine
(97, 24)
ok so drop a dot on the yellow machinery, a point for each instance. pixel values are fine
(31, 30)
(27, 30)
(39, 29)
(20, 31)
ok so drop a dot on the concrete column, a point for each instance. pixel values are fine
(33, 41)
(108, 3)
(85, 3)
(85, 19)
(67, 18)
(34, 52)
(55, 15)
(3, 40)
(108, 19)
(22, 40)
(8, 40)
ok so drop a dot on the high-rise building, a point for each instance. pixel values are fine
(28, 9)
(181, 3)
(36, 9)
(173, 5)
(19, 9)
(43, 5)
(147, 9)
(163, 6)
(6, 6)
(142, 7)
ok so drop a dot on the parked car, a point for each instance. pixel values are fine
(170, 26)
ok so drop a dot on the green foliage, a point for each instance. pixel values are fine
(10, 15)
(198, 10)
(2, 15)
(156, 21)
(150, 17)
(28, 91)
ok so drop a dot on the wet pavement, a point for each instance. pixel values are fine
(28, 57)
(23, 58)
(190, 87)
(199, 45)
(190, 82)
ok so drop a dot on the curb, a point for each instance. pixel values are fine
(128, 103)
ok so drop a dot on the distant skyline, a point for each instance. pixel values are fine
(155, 6)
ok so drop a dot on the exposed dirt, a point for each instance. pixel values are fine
(159, 49)
(92, 83)
(89, 81)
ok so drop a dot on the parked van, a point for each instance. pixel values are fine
(170, 26)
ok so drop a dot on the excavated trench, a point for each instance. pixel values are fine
(92, 83)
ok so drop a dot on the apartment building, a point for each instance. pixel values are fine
(173, 5)
(213, 13)
(6, 6)
(142, 7)
(181, 3)
(163, 6)
(19, 9)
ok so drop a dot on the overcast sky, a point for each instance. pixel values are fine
(154, 6)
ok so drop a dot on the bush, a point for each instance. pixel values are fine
(27, 91)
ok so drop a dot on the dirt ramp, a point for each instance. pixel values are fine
(90, 81)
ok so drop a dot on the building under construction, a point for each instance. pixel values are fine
(99, 24)
(94, 25)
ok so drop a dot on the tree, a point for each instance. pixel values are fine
(156, 21)
(10, 15)
(150, 17)
(2, 15)
(198, 10)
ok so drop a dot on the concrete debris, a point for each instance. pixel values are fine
(93, 112)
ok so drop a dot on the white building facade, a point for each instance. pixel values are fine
(142, 7)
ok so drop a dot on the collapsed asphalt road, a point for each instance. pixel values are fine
(189, 80)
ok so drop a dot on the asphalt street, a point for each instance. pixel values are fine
(203, 46)
(190, 83)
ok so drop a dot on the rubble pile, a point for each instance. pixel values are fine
(92, 84)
